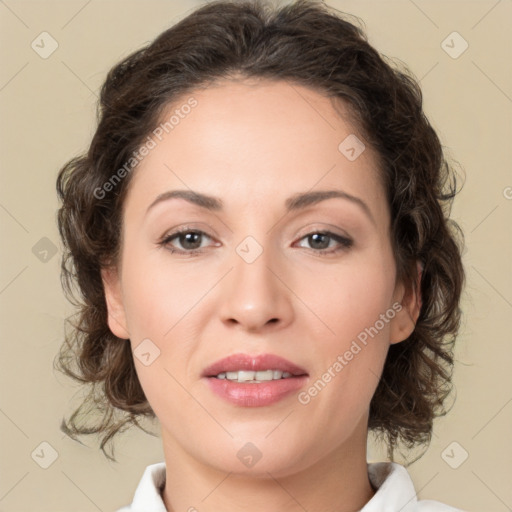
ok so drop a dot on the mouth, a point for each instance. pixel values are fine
(244, 368)
(262, 380)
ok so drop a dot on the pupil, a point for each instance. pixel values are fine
(315, 240)
(189, 239)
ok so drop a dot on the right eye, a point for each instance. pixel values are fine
(189, 239)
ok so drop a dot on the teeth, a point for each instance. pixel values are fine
(254, 376)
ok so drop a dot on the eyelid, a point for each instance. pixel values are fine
(323, 227)
(185, 229)
(174, 233)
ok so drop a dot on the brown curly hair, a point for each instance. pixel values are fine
(310, 44)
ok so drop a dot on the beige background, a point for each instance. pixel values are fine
(48, 115)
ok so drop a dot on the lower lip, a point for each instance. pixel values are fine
(255, 395)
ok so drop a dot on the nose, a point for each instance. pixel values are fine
(256, 296)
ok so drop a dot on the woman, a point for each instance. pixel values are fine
(260, 236)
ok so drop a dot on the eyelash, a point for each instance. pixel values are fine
(344, 242)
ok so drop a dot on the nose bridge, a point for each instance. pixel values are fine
(254, 295)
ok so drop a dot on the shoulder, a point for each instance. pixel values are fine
(394, 490)
(148, 495)
(435, 506)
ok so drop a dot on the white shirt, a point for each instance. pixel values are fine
(395, 491)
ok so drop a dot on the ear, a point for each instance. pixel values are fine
(404, 322)
(115, 306)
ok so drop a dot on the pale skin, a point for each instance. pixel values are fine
(253, 145)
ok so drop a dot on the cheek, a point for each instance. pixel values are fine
(352, 340)
(352, 297)
(165, 305)
(158, 297)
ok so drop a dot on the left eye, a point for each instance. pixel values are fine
(321, 240)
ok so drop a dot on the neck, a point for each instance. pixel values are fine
(337, 482)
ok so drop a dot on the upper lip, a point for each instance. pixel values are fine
(257, 362)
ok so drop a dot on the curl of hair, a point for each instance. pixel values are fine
(305, 43)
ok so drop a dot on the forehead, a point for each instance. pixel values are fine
(245, 140)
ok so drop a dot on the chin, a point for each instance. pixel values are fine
(258, 458)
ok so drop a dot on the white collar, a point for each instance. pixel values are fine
(395, 491)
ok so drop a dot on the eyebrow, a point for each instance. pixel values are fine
(296, 202)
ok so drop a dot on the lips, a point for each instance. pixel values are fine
(257, 362)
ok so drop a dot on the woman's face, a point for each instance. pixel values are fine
(257, 274)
